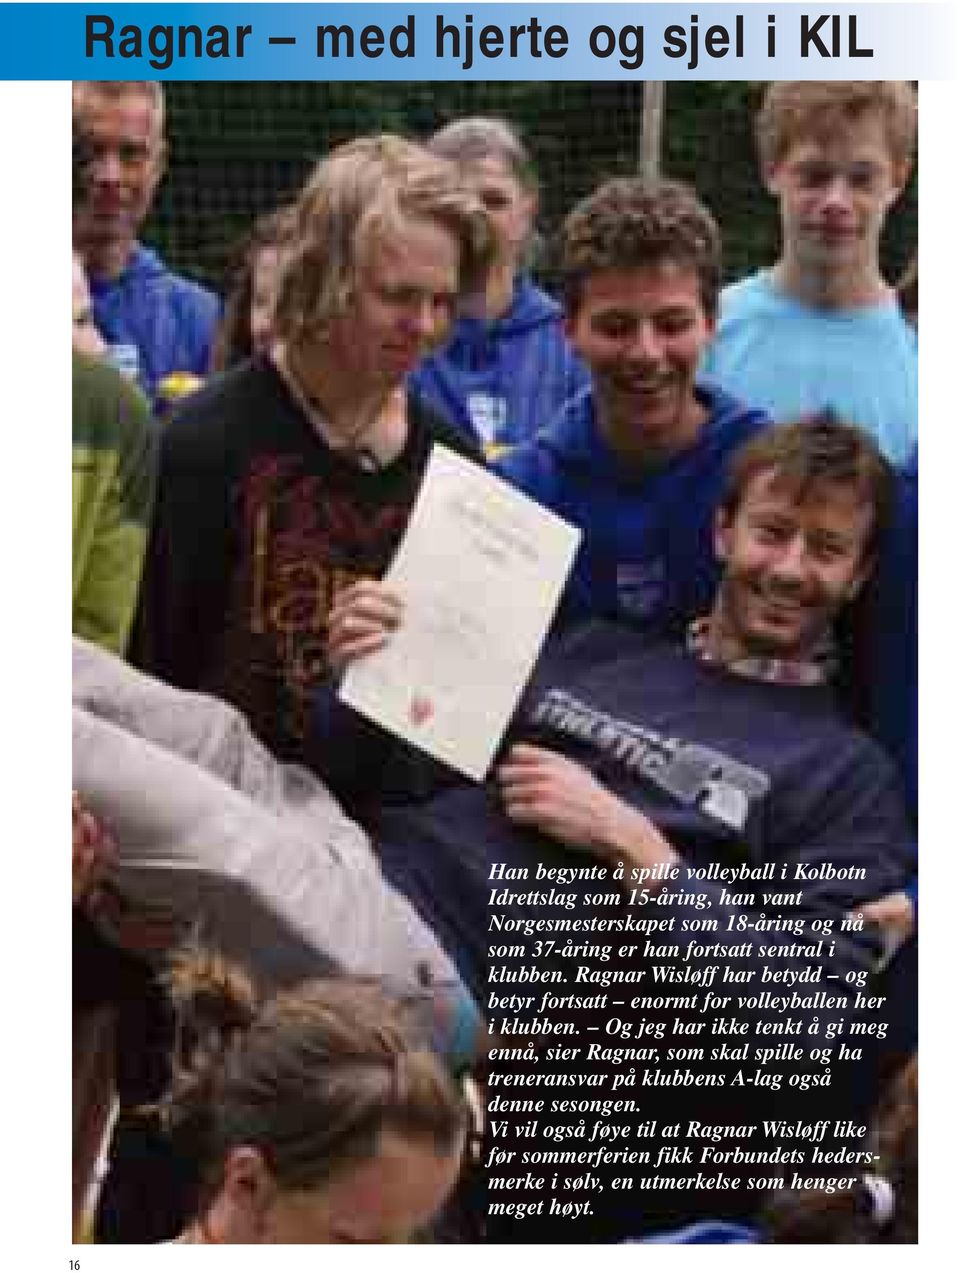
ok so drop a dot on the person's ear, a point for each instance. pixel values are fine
(158, 166)
(901, 175)
(722, 531)
(160, 160)
(770, 176)
(570, 324)
(530, 205)
(856, 584)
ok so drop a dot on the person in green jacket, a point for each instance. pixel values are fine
(114, 475)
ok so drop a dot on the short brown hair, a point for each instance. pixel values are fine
(632, 221)
(312, 1077)
(795, 110)
(361, 192)
(813, 453)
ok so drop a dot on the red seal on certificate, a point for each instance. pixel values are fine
(421, 709)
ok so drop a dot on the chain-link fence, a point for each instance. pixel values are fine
(239, 149)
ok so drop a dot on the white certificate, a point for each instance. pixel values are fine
(480, 571)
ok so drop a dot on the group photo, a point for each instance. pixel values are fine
(495, 515)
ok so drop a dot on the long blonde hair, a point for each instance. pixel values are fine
(364, 191)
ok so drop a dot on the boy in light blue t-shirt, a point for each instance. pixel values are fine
(822, 330)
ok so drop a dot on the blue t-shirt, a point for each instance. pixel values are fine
(155, 322)
(504, 379)
(794, 360)
(647, 555)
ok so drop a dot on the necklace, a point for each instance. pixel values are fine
(358, 445)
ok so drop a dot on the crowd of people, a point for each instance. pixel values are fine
(280, 923)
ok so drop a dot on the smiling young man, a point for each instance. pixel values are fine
(637, 459)
(724, 752)
(822, 329)
(154, 321)
(794, 557)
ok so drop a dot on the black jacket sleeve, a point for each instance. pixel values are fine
(183, 598)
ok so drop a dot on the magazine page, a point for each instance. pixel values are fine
(494, 613)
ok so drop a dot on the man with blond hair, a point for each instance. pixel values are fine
(281, 483)
(821, 329)
(155, 322)
(293, 474)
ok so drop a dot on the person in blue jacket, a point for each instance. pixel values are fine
(892, 624)
(508, 365)
(155, 322)
(637, 459)
(887, 658)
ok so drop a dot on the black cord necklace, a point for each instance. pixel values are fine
(355, 448)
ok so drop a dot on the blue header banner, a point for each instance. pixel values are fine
(481, 41)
